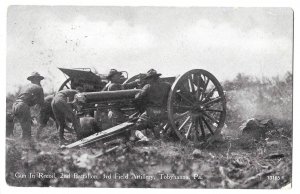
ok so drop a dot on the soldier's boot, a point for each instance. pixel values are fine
(142, 138)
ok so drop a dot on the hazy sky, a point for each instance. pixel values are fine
(224, 41)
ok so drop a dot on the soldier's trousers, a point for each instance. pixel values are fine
(21, 112)
(150, 118)
(63, 111)
(9, 124)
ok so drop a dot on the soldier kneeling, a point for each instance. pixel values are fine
(153, 98)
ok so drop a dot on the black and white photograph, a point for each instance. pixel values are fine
(149, 97)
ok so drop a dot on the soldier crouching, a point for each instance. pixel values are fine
(63, 111)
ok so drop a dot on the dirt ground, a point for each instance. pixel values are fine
(230, 162)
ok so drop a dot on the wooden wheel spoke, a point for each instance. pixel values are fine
(198, 89)
(176, 117)
(211, 118)
(183, 106)
(185, 98)
(204, 89)
(211, 92)
(201, 127)
(191, 82)
(184, 123)
(201, 84)
(216, 100)
(208, 126)
(196, 130)
(166, 126)
(213, 110)
(189, 130)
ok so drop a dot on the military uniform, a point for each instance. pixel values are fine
(30, 95)
(116, 115)
(153, 97)
(9, 124)
(63, 111)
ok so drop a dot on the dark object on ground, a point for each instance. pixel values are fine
(275, 156)
(256, 128)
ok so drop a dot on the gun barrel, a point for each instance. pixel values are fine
(106, 96)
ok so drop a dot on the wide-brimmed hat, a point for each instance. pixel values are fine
(113, 72)
(152, 73)
(35, 75)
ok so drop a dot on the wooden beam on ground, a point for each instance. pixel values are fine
(101, 135)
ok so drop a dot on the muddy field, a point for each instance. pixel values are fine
(230, 161)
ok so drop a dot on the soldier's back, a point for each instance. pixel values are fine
(158, 94)
(31, 94)
(67, 93)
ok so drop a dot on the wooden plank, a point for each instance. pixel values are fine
(99, 135)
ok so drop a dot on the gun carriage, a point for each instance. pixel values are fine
(196, 106)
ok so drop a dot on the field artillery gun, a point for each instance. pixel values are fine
(196, 107)
(85, 78)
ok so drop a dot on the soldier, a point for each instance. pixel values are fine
(63, 111)
(115, 115)
(153, 99)
(29, 96)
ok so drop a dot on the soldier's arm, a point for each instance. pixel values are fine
(141, 95)
(114, 87)
(130, 85)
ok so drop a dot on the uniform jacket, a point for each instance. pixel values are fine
(67, 93)
(154, 94)
(31, 94)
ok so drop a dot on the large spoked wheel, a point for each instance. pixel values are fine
(196, 106)
(65, 85)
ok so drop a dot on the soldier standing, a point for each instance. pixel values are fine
(153, 99)
(30, 95)
(63, 111)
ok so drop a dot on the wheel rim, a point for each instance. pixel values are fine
(196, 106)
